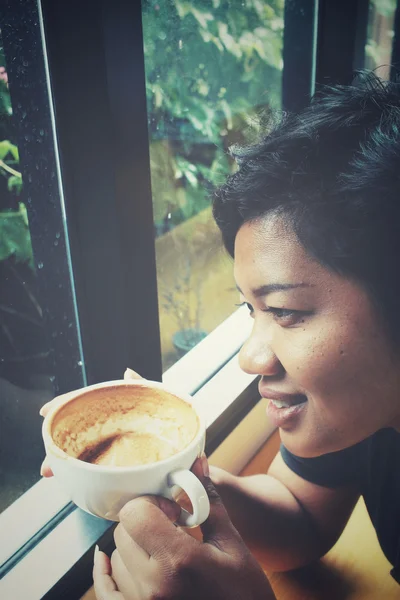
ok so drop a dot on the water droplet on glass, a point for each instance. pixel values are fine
(58, 234)
(40, 265)
(80, 363)
(41, 131)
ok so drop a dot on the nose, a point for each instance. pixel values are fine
(256, 356)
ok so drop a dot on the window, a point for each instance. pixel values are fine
(24, 354)
(378, 50)
(212, 70)
(38, 327)
(119, 174)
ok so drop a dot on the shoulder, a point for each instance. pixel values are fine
(349, 465)
(331, 470)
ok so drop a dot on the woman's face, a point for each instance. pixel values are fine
(316, 342)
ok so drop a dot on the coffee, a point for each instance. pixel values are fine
(124, 426)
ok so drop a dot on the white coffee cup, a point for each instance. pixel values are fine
(102, 490)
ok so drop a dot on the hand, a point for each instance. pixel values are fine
(45, 470)
(156, 559)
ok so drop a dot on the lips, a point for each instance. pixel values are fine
(280, 399)
(284, 410)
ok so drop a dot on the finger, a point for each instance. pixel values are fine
(131, 374)
(218, 475)
(131, 581)
(104, 585)
(149, 521)
(129, 550)
(218, 530)
(45, 469)
(45, 408)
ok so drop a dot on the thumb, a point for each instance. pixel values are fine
(131, 374)
(168, 507)
(218, 530)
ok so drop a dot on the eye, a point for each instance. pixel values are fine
(284, 316)
(248, 305)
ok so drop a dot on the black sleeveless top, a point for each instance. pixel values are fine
(373, 464)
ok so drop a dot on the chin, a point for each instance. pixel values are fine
(308, 446)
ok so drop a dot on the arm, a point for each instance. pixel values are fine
(292, 520)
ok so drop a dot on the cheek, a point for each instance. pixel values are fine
(315, 362)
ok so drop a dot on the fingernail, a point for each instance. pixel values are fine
(131, 374)
(204, 465)
(42, 409)
(169, 508)
(42, 470)
(96, 551)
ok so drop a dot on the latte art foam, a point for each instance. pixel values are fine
(125, 426)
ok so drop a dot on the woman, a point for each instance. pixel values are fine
(312, 220)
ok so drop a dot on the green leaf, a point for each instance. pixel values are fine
(209, 37)
(202, 18)
(385, 8)
(15, 152)
(188, 170)
(6, 147)
(14, 184)
(15, 239)
(5, 100)
(228, 40)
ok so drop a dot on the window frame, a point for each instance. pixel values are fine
(299, 53)
(33, 110)
(395, 62)
(336, 63)
(98, 216)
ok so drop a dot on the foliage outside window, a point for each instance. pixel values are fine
(14, 229)
(20, 312)
(213, 68)
(24, 353)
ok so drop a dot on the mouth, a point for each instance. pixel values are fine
(295, 401)
(285, 410)
(281, 400)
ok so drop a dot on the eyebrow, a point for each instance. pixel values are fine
(264, 290)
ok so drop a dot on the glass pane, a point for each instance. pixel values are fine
(211, 68)
(27, 373)
(378, 50)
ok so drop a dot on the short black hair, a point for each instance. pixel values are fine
(333, 172)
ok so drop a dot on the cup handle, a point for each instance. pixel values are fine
(197, 494)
